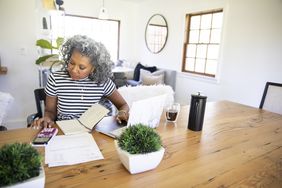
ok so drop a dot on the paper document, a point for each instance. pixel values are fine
(71, 149)
(86, 122)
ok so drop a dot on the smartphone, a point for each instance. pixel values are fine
(40, 141)
(44, 136)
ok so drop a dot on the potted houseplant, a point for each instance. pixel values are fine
(49, 60)
(20, 166)
(139, 148)
(46, 45)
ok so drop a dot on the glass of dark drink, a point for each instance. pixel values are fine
(172, 111)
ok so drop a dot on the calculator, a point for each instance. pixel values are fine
(44, 136)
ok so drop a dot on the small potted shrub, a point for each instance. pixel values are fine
(20, 166)
(139, 148)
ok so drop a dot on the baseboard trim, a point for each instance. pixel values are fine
(14, 124)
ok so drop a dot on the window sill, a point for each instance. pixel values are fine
(213, 80)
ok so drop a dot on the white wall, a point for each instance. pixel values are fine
(17, 32)
(250, 56)
(19, 22)
(123, 10)
(251, 52)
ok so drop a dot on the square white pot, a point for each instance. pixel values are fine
(38, 181)
(136, 163)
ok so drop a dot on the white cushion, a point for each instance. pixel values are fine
(155, 78)
(6, 100)
(140, 92)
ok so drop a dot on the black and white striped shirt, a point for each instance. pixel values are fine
(75, 96)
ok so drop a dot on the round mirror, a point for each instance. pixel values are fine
(156, 33)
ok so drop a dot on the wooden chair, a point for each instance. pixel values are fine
(272, 97)
(40, 100)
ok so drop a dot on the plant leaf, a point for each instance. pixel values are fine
(44, 44)
(44, 58)
(59, 41)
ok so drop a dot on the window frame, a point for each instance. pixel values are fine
(186, 43)
(89, 17)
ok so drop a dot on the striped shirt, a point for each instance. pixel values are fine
(75, 96)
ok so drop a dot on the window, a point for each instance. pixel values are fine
(201, 47)
(104, 31)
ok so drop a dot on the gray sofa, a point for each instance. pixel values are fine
(170, 78)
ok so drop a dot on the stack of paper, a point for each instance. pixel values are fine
(71, 149)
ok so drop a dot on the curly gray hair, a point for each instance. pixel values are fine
(96, 51)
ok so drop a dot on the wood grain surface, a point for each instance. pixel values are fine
(239, 146)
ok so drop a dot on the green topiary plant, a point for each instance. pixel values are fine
(18, 162)
(139, 139)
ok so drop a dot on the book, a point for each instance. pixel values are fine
(44, 136)
(86, 122)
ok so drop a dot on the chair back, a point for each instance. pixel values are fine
(40, 99)
(272, 97)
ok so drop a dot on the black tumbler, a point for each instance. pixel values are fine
(197, 112)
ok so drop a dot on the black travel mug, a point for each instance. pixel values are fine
(197, 112)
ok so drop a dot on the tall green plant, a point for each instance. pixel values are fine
(45, 44)
(18, 162)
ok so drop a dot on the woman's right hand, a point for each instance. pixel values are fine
(42, 122)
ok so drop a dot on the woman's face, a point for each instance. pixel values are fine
(79, 66)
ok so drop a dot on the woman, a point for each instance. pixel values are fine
(85, 81)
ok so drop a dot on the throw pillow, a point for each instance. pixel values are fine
(148, 73)
(153, 80)
(136, 74)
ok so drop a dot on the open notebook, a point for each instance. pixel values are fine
(86, 122)
(147, 111)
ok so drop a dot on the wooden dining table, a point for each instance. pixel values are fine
(239, 146)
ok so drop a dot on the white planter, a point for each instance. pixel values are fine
(136, 163)
(36, 182)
